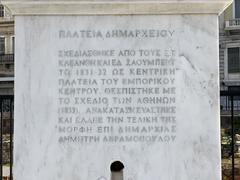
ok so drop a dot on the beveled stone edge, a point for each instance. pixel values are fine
(115, 8)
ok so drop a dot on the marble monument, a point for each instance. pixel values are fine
(102, 86)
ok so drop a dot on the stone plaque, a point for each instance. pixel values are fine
(139, 89)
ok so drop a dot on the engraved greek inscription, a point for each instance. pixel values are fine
(125, 95)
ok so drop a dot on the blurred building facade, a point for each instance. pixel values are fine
(6, 52)
(229, 54)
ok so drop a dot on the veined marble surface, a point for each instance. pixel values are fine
(117, 7)
(187, 43)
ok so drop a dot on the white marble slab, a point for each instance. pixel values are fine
(189, 43)
(120, 7)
